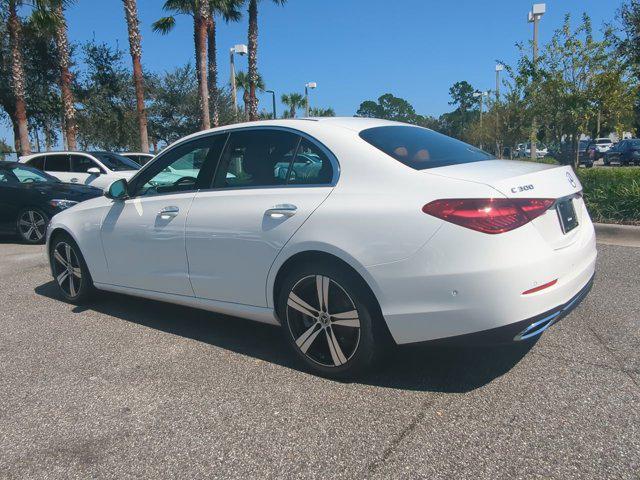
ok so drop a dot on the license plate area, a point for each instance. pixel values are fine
(567, 214)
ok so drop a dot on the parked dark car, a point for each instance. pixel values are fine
(29, 198)
(624, 152)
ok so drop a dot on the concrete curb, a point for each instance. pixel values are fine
(613, 234)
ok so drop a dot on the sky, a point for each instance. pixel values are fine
(354, 50)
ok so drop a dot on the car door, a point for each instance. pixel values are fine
(59, 165)
(79, 166)
(9, 195)
(236, 229)
(143, 236)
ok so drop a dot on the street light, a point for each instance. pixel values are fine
(499, 68)
(534, 16)
(307, 86)
(273, 97)
(240, 49)
(480, 95)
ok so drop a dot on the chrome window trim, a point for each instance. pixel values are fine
(227, 131)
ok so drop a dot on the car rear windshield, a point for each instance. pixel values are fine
(420, 148)
(116, 162)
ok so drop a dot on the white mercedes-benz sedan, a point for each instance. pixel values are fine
(347, 232)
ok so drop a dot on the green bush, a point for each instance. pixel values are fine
(612, 194)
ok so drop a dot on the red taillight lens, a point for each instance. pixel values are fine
(489, 215)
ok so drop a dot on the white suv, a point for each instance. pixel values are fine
(98, 169)
(603, 145)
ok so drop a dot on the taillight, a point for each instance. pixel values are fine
(489, 215)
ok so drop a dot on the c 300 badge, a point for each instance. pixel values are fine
(571, 180)
(522, 188)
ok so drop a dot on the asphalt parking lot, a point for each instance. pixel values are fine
(130, 388)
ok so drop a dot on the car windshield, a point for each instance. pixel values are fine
(421, 148)
(116, 162)
(26, 174)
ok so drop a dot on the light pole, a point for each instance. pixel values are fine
(480, 95)
(240, 49)
(499, 68)
(273, 97)
(307, 86)
(536, 13)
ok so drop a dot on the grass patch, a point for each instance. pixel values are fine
(612, 194)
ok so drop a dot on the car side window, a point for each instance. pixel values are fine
(311, 166)
(256, 158)
(37, 162)
(6, 177)
(57, 163)
(187, 167)
(80, 164)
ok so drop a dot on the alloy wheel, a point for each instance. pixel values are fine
(323, 320)
(66, 269)
(32, 225)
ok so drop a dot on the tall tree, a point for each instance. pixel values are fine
(17, 77)
(229, 11)
(66, 79)
(294, 101)
(243, 82)
(199, 10)
(135, 48)
(253, 55)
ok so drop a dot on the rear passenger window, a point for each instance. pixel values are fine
(37, 162)
(311, 166)
(256, 158)
(57, 163)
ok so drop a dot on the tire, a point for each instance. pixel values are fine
(340, 346)
(31, 225)
(69, 269)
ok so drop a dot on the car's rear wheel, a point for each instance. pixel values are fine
(70, 270)
(328, 319)
(32, 225)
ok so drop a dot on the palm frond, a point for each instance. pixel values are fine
(164, 25)
(185, 7)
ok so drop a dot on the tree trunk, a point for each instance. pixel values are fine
(253, 58)
(292, 110)
(133, 24)
(17, 76)
(246, 97)
(200, 23)
(16, 133)
(69, 109)
(213, 69)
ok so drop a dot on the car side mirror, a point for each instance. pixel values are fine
(118, 190)
(94, 171)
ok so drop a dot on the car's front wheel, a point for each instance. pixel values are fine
(32, 225)
(70, 270)
(328, 319)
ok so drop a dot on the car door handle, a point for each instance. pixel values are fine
(169, 212)
(283, 210)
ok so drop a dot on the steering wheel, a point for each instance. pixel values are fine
(184, 181)
(29, 180)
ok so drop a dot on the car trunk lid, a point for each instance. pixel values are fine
(515, 179)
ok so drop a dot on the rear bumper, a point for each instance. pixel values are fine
(522, 331)
(463, 283)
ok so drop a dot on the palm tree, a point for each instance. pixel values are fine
(131, 13)
(229, 11)
(253, 54)
(322, 112)
(294, 101)
(243, 82)
(17, 77)
(200, 11)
